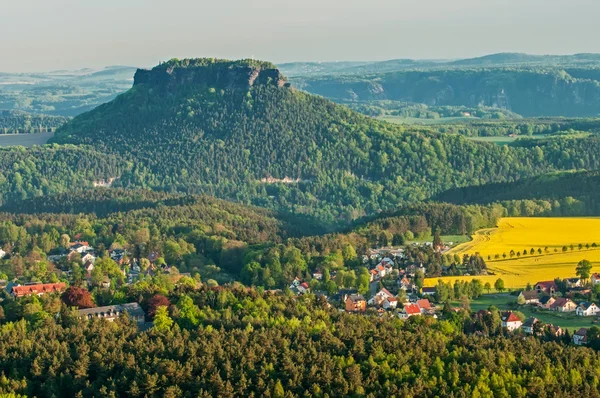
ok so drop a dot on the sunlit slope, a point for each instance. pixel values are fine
(548, 235)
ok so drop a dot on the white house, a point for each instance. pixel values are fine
(587, 309)
(580, 337)
(390, 303)
(511, 321)
(380, 297)
(529, 324)
(595, 279)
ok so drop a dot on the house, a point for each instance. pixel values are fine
(587, 309)
(548, 287)
(2, 253)
(89, 256)
(546, 302)
(355, 303)
(510, 321)
(424, 305)
(573, 282)
(562, 304)
(530, 297)
(428, 291)
(409, 310)
(318, 275)
(405, 284)
(299, 288)
(528, 325)
(88, 267)
(373, 275)
(38, 289)
(554, 330)
(380, 297)
(390, 303)
(381, 270)
(580, 337)
(112, 312)
(80, 247)
(595, 279)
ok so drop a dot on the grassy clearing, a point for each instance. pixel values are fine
(520, 234)
(26, 140)
(505, 302)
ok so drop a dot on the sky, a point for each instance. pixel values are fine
(43, 35)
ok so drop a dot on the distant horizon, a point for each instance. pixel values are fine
(431, 59)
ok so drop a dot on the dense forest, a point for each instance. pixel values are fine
(240, 342)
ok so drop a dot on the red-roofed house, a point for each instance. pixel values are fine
(38, 289)
(595, 279)
(548, 287)
(511, 321)
(410, 310)
(424, 305)
(562, 304)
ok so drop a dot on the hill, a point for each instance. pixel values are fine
(237, 130)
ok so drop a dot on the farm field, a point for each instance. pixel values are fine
(414, 120)
(520, 234)
(26, 140)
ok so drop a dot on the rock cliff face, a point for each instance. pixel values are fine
(217, 74)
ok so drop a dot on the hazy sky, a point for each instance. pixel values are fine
(39, 35)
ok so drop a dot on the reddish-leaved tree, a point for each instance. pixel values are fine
(78, 297)
(158, 300)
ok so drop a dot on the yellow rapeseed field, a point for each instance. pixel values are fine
(520, 234)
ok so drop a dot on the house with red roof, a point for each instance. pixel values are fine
(390, 303)
(410, 310)
(562, 304)
(595, 279)
(510, 320)
(38, 289)
(424, 305)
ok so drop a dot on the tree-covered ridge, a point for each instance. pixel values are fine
(39, 171)
(239, 342)
(203, 62)
(525, 91)
(17, 122)
(234, 142)
(582, 186)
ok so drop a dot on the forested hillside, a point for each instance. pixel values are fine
(538, 91)
(236, 130)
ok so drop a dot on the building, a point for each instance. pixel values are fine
(38, 289)
(428, 291)
(595, 279)
(546, 302)
(580, 337)
(409, 310)
(528, 325)
(424, 305)
(562, 304)
(112, 312)
(390, 303)
(380, 297)
(548, 287)
(573, 282)
(355, 303)
(318, 275)
(510, 321)
(587, 309)
(530, 297)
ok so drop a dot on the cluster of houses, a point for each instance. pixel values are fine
(384, 300)
(543, 296)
